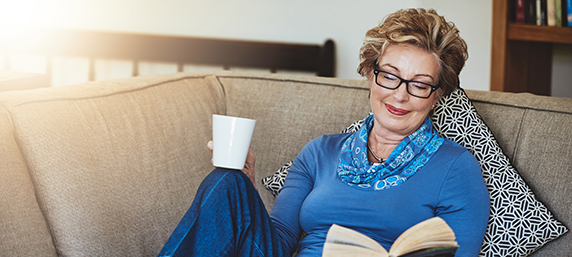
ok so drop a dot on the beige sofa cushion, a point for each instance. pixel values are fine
(286, 108)
(116, 163)
(23, 229)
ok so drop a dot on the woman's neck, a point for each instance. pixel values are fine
(382, 143)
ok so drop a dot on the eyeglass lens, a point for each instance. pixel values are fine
(391, 81)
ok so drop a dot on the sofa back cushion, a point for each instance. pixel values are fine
(290, 111)
(116, 164)
(544, 155)
(24, 231)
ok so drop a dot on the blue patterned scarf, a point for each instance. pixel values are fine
(406, 159)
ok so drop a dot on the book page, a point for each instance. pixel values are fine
(433, 232)
(343, 250)
(344, 237)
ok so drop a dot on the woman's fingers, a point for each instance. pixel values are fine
(210, 147)
(248, 166)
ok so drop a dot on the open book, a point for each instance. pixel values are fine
(432, 237)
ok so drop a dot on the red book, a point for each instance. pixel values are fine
(519, 11)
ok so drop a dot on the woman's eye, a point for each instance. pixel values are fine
(389, 76)
(419, 86)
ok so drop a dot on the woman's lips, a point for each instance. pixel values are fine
(395, 111)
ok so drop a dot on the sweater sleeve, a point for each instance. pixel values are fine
(298, 184)
(464, 204)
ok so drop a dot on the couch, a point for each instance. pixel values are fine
(109, 168)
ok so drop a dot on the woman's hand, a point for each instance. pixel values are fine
(248, 166)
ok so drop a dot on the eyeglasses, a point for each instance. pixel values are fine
(414, 88)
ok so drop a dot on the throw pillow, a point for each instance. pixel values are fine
(456, 118)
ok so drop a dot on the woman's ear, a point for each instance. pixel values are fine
(369, 91)
(370, 82)
(436, 97)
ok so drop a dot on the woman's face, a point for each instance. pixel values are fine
(396, 111)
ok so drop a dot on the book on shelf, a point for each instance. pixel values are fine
(520, 13)
(530, 12)
(432, 237)
(551, 13)
(557, 13)
(541, 12)
(568, 12)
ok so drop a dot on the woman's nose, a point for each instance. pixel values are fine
(400, 93)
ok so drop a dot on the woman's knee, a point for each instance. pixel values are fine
(221, 177)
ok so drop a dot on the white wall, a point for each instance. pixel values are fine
(304, 21)
(562, 71)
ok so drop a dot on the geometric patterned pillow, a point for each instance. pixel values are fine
(274, 182)
(518, 223)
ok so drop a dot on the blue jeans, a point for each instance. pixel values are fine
(226, 218)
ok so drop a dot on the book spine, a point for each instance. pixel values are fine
(551, 13)
(564, 13)
(543, 14)
(530, 9)
(569, 12)
(538, 12)
(520, 12)
(558, 11)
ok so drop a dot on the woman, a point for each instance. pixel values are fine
(391, 174)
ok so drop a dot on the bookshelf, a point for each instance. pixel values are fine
(521, 55)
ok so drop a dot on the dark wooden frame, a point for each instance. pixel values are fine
(181, 50)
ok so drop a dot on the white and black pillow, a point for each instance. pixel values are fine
(275, 182)
(456, 118)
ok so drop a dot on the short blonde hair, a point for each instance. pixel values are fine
(422, 28)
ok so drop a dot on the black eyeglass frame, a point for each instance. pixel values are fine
(401, 81)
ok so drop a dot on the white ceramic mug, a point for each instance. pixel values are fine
(231, 141)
